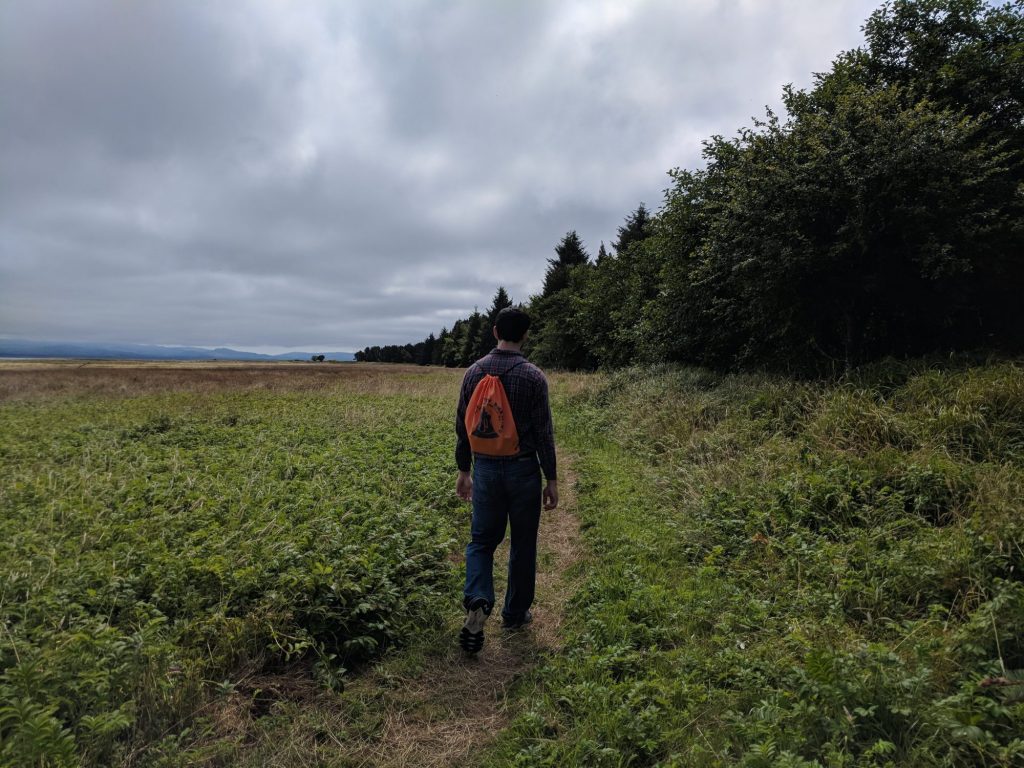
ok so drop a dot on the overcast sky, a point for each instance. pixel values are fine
(327, 175)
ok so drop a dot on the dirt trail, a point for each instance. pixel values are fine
(457, 704)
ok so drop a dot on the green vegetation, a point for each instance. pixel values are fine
(881, 215)
(776, 573)
(787, 574)
(781, 573)
(156, 550)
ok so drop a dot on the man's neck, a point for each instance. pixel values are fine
(509, 346)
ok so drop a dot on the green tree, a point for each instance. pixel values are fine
(883, 215)
(450, 352)
(636, 229)
(966, 55)
(437, 356)
(612, 295)
(425, 350)
(485, 341)
(558, 337)
(836, 238)
(471, 339)
(569, 254)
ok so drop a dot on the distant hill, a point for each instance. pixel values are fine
(74, 349)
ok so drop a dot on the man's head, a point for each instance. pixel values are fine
(511, 325)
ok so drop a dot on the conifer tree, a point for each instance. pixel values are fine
(425, 353)
(485, 337)
(437, 358)
(450, 352)
(636, 228)
(501, 301)
(611, 296)
(471, 341)
(557, 338)
(569, 253)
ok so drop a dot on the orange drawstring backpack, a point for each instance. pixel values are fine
(489, 422)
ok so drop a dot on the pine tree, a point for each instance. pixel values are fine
(501, 301)
(450, 352)
(636, 228)
(569, 253)
(425, 353)
(467, 353)
(437, 357)
(485, 336)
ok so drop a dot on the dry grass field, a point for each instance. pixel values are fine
(24, 379)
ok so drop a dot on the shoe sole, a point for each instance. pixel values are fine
(471, 636)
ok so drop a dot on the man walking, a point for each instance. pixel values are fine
(505, 486)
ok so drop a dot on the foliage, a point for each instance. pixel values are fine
(569, 254)
(791, 574)
(469, 339)
(155, 550)
(636, 229)
(882, 215)
(778, 572)
(611, 296)
(875, 230)
(558, 340)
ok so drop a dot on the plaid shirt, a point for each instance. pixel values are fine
(527, 392)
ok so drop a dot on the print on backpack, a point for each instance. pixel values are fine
(485, 428)
(489, 422)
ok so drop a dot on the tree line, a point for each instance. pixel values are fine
(880, 215)
(468, 340)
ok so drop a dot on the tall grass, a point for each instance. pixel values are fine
(781, 573)
(158, 549)
(792, 574)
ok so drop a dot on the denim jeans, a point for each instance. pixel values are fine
(505, 492)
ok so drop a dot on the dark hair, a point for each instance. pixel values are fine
(512, 324)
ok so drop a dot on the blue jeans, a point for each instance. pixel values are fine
(505, 492)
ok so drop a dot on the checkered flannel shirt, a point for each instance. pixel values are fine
(527, 392)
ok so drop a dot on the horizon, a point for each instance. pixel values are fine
(255, 349)
(368, 174)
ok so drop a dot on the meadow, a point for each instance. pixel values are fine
(260, 565)
(169, 531)
(792, 574)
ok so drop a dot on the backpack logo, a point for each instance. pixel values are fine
(485, 429)
(489, 423)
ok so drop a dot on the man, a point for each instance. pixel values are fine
(507, 489)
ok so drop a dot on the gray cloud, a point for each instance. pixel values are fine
(330, 175)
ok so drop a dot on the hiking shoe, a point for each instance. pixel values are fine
(517, 623)
(471, 636)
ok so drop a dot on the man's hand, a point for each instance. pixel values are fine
(551, 494)
(464, 486)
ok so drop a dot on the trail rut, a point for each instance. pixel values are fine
(457, 704)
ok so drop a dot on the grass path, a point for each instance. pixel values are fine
(439, 707)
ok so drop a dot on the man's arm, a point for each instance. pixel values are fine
(463, 454)
(546, 443)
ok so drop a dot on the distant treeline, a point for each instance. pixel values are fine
(882, 215)
(467, 341)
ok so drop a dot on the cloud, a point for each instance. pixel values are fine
(329, 174)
